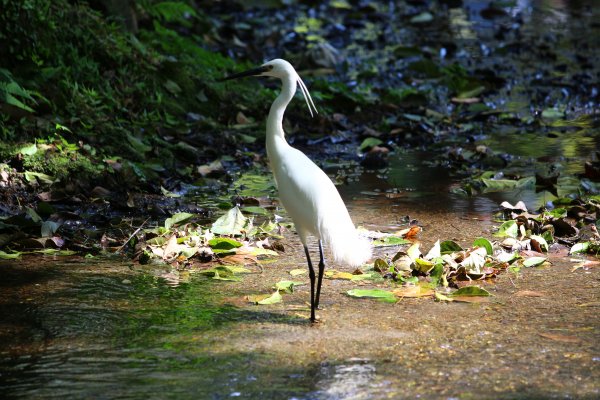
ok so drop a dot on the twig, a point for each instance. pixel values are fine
(132, 235)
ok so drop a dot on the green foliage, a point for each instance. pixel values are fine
(11, 91)
(114, 91)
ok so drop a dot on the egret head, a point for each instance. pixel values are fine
(281, 69)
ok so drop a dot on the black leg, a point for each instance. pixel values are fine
(311, 274)
(321, 270)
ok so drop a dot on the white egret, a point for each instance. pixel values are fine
(306, 192)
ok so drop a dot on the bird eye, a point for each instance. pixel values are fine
(269, 67)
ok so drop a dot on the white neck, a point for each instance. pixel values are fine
(275, 118)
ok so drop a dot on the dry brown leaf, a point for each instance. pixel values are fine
(413, 291)
(528, 293)
(171, 249)
(239, 259)
(339, 275)
(472, 299)
(467, 100)
(560, 337)
(592, 304)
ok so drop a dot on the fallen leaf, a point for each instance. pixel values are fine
(560, 338)
(413, 291)
(470, 291)
(298, 271)
(528, 293)
(264, 299)
(287, 286)
(232, 223)
(379, 294)
(471, 299)
(534, 261)
(592, 304)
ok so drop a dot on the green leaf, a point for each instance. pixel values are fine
(9, 88)
(422, 18)
(507, 184)
(224, 272)
(255, 210)
(232, 223)
(166, 193)
(441, 297)
(534, 261)
(287, 286)
(266, 299)
(436, 275)
(224, 244)
(138, 144)
(581, 247)
(390, 241)
(508, 228)
(43, 178)
(470, 291)
(379, 294)
(35, 217)
(368, 143)
(449, 246)
(29, 150)
(177, 219)
(507, 257)
(56, 252)
(9, 256)
(49, 228)
(483, 242)
(171, 11)
(557, 213)
(552, 113)
(423, 266)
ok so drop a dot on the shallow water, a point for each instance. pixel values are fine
(106, 328)
(78, 328)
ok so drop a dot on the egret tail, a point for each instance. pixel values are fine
(346, 245)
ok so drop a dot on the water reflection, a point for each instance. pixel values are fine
(352, 380)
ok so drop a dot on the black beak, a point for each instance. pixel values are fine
(251, 72)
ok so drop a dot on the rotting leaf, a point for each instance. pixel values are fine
(380, 265)
(423, 266)
(470, 291)
(538, 243)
